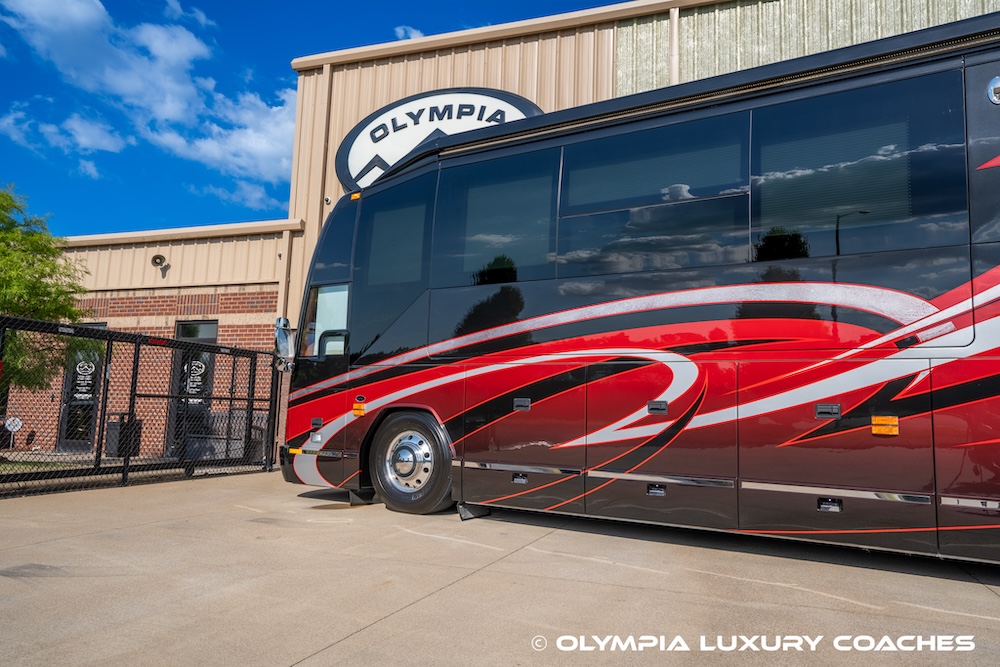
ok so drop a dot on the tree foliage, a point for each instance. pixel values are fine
(37, 281)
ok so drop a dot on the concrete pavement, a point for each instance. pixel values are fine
(249, 570)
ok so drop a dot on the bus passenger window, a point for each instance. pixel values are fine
(672, 163)
(495, 220)
(655, 238)
(873, 169)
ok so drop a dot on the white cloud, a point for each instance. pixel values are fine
(54, 136)
(76, 133)
(93, 136)
(60, 16)
(3, 51)
(250, 195)
(88, 168)
(15, 126)
(147, 68)
(147, 72)
(407, 32)
(248, 138)
(174, 11)
(169, 45)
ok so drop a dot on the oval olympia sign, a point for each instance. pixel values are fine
(395, 131)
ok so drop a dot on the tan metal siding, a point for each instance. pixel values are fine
(730, 36)
(296, 277)
(312, 129)
(222, 261)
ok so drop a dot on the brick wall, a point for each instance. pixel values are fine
(245, 315)
(39, 412)
(251, 336)
(181, 305)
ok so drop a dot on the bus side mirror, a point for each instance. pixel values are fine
(283, 345)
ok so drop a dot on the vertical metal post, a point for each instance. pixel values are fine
(126, 431)
(229, 412)
(272, 416)
(102, 423)
(3, 392)
(248, 425)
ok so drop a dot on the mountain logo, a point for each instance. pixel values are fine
(395, 131)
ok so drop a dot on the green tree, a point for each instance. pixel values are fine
(37, 281)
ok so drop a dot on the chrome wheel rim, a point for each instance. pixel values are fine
(409, 462)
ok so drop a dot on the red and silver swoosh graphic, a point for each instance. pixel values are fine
(898, 306)
(945, 325)
(916, 316)
(995, 162)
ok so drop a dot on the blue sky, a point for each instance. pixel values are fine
(127, 115)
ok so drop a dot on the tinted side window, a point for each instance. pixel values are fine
(495, 220)
(392, 257)
(700, 158)
(395, 226)
(879, 168)
(670, 236)
(333, 254)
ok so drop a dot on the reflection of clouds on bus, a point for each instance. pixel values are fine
(817, 198)
(989, 231)
(653, 254)
(654, 238)
(677, 192)
(942, 224)
(518, 240)
(494, 240)
(919, 275)
(618, 286)
(886, 153)
(330, 266)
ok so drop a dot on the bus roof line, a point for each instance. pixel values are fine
(933, 42)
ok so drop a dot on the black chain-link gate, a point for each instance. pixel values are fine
(82, 407)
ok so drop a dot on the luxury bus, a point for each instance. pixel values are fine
(764, 303)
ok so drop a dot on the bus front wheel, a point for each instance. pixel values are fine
(411, 464)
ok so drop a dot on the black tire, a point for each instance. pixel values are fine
(410, 464)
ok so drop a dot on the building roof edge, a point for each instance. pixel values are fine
(185, 233)
(615, 12)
